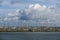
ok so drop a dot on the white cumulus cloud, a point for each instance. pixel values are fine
(37, 7)
(37, 13)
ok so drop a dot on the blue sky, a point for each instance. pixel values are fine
(11, 4)
(30, 12)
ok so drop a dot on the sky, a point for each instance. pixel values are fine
(30, 13)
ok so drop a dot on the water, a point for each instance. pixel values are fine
(29, 35)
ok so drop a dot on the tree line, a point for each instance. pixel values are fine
(30, 29)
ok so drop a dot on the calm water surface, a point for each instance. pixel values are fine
(29, 35)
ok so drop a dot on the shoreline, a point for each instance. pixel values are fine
(30, 29)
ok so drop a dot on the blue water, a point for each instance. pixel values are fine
(29, 35)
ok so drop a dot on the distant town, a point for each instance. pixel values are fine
(29, 29)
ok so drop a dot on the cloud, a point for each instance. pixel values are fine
(35, 14)
(37, 7)
(35, 11)
(12, 15)
(43, 13)
(11, 18)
